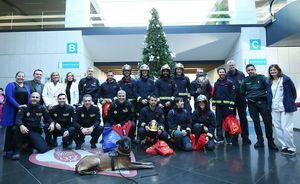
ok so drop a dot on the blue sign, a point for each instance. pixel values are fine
(255, 44)
(258, 61)
(72, 48)
(68, 64)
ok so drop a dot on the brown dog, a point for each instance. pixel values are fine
(117, 160)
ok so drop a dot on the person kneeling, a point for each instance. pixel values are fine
(179, 125)
(28, 126)
(151, 123)
(86, 121)
(204, 121)
(61, 115)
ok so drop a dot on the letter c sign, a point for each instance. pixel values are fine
(255, 44)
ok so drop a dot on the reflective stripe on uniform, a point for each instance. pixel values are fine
(184, 94)
(165, 98)
(223, 102)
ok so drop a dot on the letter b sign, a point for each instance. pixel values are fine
(72, 48)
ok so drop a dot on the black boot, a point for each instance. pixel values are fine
(246, 141)
(272, 146)
(259, 144)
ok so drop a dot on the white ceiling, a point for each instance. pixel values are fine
(188, 47)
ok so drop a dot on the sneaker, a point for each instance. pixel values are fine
(259, 144)
(16, 156)
(219, 141)
(272, 146)
(246, 141)
(290, 152)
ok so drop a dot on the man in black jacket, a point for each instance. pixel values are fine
(240, 104)
(36, 85)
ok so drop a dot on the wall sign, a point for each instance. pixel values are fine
(68, 64)
(255, 44)
(72, 48)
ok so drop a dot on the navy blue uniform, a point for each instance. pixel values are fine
(147, 115)
(183, 89)
(85, 118)
(129, 87)
(120, 113)
(89, 86)
(240, 102)
(178, 120)
(199, 120)
(108, 90)
(197, 89)
(63, 116)
(144, 88)
(31, 117)
(223, 99)
(165, 90)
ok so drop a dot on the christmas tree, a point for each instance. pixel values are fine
(156, 52)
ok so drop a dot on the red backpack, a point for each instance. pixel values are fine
(232, 125)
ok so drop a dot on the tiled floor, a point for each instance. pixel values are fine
(227, 164)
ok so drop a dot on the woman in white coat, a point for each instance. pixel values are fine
(51, 90)
(71, 89)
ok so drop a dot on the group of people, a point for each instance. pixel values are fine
(155, 109)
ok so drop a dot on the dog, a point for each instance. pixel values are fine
(115, 160)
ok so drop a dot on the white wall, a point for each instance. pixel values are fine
(26, 51)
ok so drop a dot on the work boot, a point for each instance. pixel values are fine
(272, 146)
(259, 144)
(246, 141)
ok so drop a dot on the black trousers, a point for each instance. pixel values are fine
(241, 107)
(222, 111)
(9, 145)
(261, 107)
(33, 138)
(78, 136)
(51, 137)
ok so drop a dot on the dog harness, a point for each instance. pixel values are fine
(115, 155)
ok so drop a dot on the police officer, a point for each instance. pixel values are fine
(89, 85)
(253, 87)
(204, 121)
(240, 104)
(149, 114)
(183, 85)
(180, 125)
(223, 103)
(200, 86)
(144, 87)
(62, 115)
(28, 126)
(86, 121)
(108, 91)
(120, 112)
(165, 89)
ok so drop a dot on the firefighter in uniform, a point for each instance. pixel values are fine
(165, 89)
(120, 112)
(86, 121)
(183, 85)
(180, 125)
(240, 104)
(28, 127)
(144, 87)
(152, 116)
(200, 86)
(223, 103)
(89, 85)
(108, 92)
(204, 121)
(62, 115)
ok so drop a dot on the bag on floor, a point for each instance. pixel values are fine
(202, 141)
(110, 138)
(126, 128)
(232, 125)
(163, 148)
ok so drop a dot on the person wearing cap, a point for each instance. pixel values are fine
(204, 121)
(144, 87)
(165, 89)
(121, 111)
(179, 121)
(89, 85)
(200, 86)
(223, 103)
(152, 123)
(108, 92)
(240, 105)
(183, 85)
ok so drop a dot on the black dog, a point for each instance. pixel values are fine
(116, 160)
